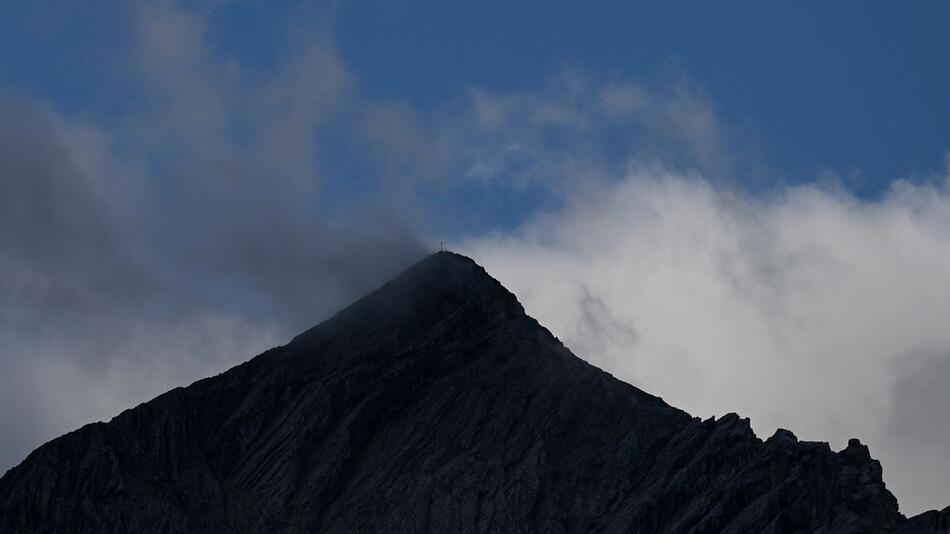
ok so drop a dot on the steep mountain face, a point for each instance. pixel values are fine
(436, 405)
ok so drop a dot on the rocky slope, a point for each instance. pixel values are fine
(436, 405)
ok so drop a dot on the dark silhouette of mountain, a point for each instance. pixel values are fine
(435, 404)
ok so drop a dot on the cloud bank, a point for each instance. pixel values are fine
(809, 309)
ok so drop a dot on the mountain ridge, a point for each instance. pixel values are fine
(435, 403)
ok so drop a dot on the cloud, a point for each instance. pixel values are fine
(143, 251)
(545, 143)
(231, 207)
(810, 309)
(159, 239)
(918, 422)
(59, 240)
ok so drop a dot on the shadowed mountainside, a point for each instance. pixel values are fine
(435, 404)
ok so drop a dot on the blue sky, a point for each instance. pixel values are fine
(739, 206)
(821, 84)
(825, 84)
(858, 89)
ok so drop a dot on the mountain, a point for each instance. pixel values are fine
(435, 404)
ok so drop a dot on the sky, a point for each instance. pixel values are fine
(740, 207)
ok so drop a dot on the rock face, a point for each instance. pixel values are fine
(436, 405)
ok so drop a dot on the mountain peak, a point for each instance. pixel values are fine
(436, 404)
(445, 271)
(423, 295)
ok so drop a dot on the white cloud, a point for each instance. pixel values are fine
(800, 311)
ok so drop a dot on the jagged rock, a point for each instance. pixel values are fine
(436, 405)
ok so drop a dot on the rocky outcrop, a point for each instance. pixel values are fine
(436, 405)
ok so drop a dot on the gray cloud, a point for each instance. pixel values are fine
(149, 250)
(60, 244)
(598, 329)
(919, 424)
